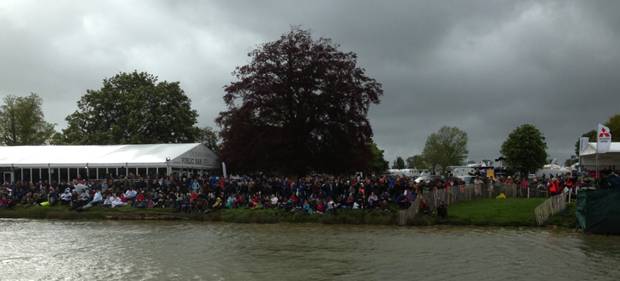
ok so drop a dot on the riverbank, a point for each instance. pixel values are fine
(484, 212)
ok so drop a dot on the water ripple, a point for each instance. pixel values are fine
(116, 250)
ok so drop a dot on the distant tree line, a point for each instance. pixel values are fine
(300, 106)
(524, 151)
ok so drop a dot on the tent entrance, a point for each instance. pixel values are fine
(8, 177)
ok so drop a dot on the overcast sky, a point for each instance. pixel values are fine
(483, 66)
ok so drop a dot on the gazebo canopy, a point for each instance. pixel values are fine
(610, 158)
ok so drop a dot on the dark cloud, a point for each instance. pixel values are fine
(484, 66)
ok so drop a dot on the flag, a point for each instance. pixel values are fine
(224, 170)
(583, 144)
(603, 139)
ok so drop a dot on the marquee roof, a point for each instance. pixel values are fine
(130, 155)
(591, 149)
(610, 158)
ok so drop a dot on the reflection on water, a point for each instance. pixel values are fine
(109, 250)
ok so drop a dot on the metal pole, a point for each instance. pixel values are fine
(68, 175)
(596, 160)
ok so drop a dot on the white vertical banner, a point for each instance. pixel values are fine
(583, 144)
(603, 139)
(224, 170)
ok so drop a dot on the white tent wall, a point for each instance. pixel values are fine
(199, 157)
(61, 163)
(605, 160)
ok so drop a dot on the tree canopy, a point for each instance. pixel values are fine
(22, 121)
(446, 147)
(416, 162)
(613, 123)
(399, 163)
(210, 139)
(377, 164)
(132, 108)
(300, 105)
(525, 149)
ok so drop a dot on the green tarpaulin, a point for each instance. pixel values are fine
(598, 211)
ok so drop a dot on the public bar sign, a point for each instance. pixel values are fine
(194, 161)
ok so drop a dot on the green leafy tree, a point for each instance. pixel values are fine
(525, 149)
(399, 163)
(299, 106)
(210, 139)
(378, 164)
(58, 138)
(416, 162)
(22, 121)
(613, 123)
(570, 161)
(133, 108)
(446, 147)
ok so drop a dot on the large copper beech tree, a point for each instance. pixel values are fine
(299, 106)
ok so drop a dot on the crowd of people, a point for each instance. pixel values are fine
(312, 194)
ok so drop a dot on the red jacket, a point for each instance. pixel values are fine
(554, 186)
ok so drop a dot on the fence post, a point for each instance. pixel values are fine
(549, 207)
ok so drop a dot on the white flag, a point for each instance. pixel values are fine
(603, 139)
(224, 170)
(583, 144)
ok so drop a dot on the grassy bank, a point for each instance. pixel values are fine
(225, 215)
(506, 212)
(494, 212)
(485, 212)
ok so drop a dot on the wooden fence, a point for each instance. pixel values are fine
(406, 216)
(550, 207)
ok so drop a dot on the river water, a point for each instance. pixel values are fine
(116, 250)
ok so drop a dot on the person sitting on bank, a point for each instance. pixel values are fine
(97, 199)
(140, 200)
(80, 200)
(372, 200)
(131, 194)
(108, 200)
(65, 197)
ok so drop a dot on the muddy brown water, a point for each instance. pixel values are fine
(117, 250)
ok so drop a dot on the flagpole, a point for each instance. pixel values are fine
(603, 136)
(596, 165)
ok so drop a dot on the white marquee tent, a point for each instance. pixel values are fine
(60, 162)
(605, 160)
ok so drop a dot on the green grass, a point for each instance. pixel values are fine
(484, 212)
(63, 212)
(494, 212)
(566, 218)
(278, 215)
(226, 215)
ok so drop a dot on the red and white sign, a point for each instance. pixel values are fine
(603, 139)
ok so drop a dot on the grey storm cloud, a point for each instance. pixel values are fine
(483, 66)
